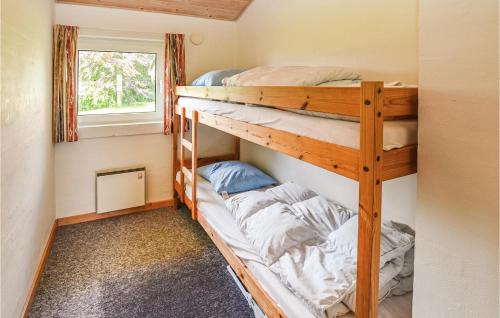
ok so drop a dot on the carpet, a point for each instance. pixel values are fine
(155, 264)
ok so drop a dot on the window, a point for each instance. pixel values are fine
(119, 83)
(116, 82)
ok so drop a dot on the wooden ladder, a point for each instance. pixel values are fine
(192, 146)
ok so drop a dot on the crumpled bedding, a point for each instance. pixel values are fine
(292, 76)
(310, 243)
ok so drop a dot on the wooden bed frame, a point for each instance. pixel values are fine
(370, 165)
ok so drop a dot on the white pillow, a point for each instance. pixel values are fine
(274, 230)
(290, 76)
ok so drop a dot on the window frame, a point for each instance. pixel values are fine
(106, 43)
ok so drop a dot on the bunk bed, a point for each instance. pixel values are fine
(370, 162)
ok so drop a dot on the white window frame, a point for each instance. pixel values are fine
(93, 126)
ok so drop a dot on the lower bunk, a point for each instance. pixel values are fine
(266, 288)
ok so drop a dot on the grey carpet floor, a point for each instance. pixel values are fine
(155, 264)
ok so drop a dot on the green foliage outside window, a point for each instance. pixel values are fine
(116, 82)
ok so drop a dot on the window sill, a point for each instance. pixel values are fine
(115, 130)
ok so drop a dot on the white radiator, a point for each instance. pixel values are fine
(120, 189)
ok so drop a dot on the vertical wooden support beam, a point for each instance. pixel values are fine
(183, 153)
(370, 198)
(175, 154)
(236, 148)
(194, 164)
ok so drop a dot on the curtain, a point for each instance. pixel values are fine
(175, 74)
(64, 113)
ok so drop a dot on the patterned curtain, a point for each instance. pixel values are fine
(175, 74)
(64, 114)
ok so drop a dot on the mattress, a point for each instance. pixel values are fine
(397, 133)
(212, 207)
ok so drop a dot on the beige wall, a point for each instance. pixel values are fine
(76, 163)
(378, 38)
(398, 196)
(27, 155)
(217, 51)
(457, 208)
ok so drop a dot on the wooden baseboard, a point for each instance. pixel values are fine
(87, 217)
(39, 270)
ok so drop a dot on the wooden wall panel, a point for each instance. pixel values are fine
(211, 9)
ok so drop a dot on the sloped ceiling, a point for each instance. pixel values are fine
(211, 9)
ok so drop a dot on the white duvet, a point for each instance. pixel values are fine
(311, 244)
(293, 76)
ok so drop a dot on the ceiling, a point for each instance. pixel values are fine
(211, 9)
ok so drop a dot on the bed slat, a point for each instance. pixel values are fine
(205, 161)
(343, 101)
(398, 101)
(399, 162)
(402, 101)
(187, 173)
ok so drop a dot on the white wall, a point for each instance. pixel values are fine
(457, 219)
(378, 38)
(76, 163)
(218, 49)
(27, 153)
(398, 196)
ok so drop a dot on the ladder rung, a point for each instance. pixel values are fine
(187, 173)
(187, 144)
(188, 114)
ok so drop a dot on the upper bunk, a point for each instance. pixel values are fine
(367, 108)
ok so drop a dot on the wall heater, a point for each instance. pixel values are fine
(119, 189)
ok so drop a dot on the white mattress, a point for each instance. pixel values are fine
(212, 207)
(397, 133)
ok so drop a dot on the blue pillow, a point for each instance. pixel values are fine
(205, 171)
(214, 78)
(235, 176)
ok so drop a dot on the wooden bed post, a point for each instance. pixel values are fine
(175, 154)
(370, 198)
(236, 148)
(183, 153)
(194, 164)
